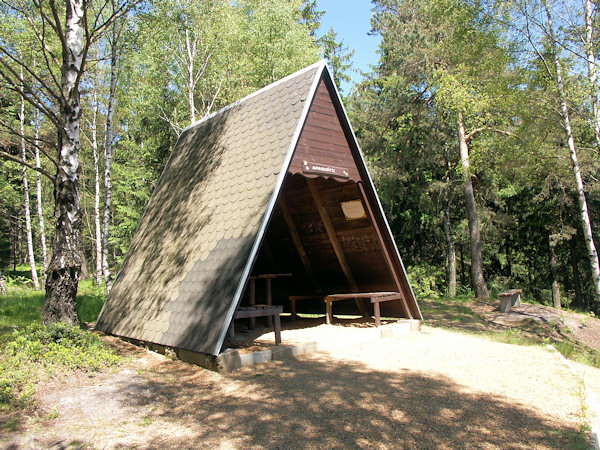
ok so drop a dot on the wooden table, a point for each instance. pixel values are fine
(269, 298)
(375, 297)
(273, 312)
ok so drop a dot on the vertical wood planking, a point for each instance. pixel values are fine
(298, 243)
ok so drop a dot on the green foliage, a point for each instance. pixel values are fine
(338, 55)
(37, 352)
(426, 281)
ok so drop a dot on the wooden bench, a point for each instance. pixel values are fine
(510, 298)
(375, 297)
(245, 312)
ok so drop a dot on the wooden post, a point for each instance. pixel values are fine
(384, 249)
(337, 247)
(269, 301)
(377, 314)
(252, 302)
(328, 313)
(277, 329)
(298, 243)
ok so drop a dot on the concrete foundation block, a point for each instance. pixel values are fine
(229, 360)
(256, 357)
(281, 352)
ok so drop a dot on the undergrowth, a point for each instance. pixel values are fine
(38, 352)
(31, 352)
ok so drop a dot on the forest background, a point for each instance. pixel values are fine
(480, 125)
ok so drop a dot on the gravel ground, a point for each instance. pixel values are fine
(436, 388)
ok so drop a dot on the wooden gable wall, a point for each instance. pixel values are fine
(323, 140)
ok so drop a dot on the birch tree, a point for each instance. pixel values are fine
(113, 43)
(564, 109)
(67, 29)
(28, 232)
(96, 157)
(2, 284)
(38, 186)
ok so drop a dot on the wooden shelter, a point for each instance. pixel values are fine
(273, 185)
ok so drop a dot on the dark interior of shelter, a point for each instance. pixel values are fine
(299, 257)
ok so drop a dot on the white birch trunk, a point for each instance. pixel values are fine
(191, 51)
(583, 209)
(40, 207)
(64, 269)
(592, 70)
(97, 227)
(108, 151)
(2, 285)
(34, 275)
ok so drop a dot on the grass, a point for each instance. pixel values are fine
(31, 352)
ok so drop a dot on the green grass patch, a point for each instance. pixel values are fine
(90, 298)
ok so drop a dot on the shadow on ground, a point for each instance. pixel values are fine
(329, 403)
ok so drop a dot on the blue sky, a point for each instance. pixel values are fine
(351, 19)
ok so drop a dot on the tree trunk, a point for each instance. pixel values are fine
(553, 267)
(65, 265)
(191, 51)
(451, 255)
(108, 150)
(40, 207)
(576, 279)
(98, 229)
(31, 256)
(449, 240)
(583, 210)
(592, 71)
(479, 283)
(2, 285)
(463, 278)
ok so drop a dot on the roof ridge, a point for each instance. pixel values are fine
(320, 63)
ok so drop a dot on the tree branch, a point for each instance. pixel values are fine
(13, 158)
(30, 141)
(495, 130)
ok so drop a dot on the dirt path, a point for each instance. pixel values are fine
(436, 388)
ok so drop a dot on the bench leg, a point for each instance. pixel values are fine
(328, 313)
(516, 300)
(505, 304)
(231, 330)
(294, 314)
(277, 329)
(377, 314)
(252, 320)
(269, 302)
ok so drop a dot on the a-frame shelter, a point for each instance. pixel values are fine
(274, 179)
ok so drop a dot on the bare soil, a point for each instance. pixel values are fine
(437, 388)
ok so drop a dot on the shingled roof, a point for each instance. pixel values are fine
(188, 263)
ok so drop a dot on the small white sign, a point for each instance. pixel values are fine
(353, 210)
